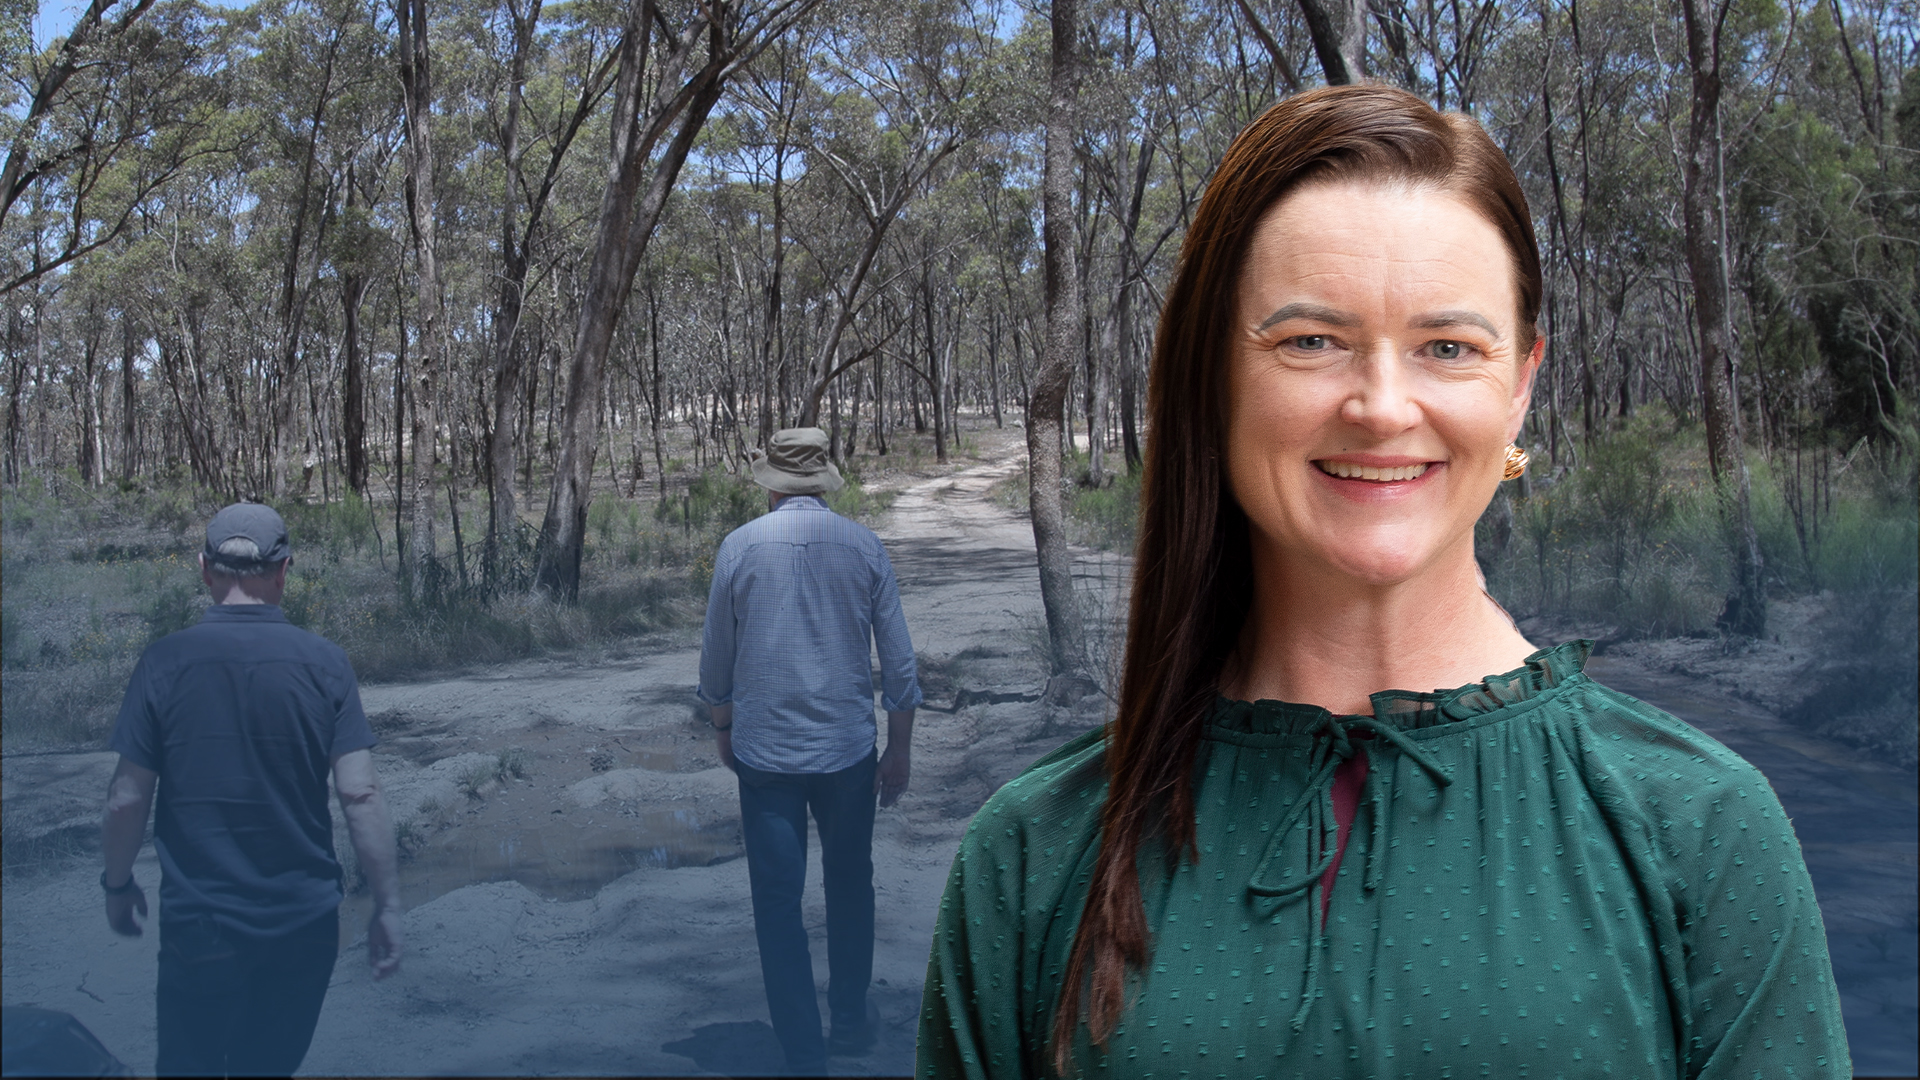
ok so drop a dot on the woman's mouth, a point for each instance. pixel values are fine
(1347, 470)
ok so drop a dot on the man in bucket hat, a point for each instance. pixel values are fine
(784, 664)
(238, 721)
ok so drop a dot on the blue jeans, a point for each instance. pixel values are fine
(229, 1006)
(773, 817)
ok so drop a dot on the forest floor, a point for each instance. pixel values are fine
(578, 903)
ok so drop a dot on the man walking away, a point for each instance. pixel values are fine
(238, 721)
(785, 664)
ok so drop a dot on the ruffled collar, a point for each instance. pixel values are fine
(1407, 710)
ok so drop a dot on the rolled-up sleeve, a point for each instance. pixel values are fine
(899, 677)
(717, 641)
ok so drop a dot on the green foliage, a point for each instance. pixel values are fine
(715, 498)
(172, 607)
(1636, 536)
(855, 501)
(1106, 517)
(329, 529)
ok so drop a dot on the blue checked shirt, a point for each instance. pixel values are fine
(796, 595)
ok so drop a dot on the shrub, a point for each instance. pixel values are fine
(1107, 517)
(856, 502)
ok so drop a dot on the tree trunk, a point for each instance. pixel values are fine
(416, 83)
(1047, 406)
(353, 410)
(1100, 391)
(129, 382)
(1339, 32)
(993, 366)
(936, 381)
(1705, 211)
(507, 353)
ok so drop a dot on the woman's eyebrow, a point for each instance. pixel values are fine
(1440, 320)
(1316, 312)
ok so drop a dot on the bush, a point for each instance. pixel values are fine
(1104, 517)
(856, 502)
(1107, 517)
(716, 498)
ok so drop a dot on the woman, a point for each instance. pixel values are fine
(1271, 863)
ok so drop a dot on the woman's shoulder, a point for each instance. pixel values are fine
(1623, 726)
(1657, 767)
(1052, 802)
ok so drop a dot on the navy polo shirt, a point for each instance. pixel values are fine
(242, 716)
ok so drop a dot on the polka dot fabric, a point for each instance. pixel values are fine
(1545, 879)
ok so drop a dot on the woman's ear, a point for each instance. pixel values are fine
(1523, 387)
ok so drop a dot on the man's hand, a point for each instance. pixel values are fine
(896, 765)
(721, 716)
(383, 943)
(122, 830)
(890, 779)
(121, 908)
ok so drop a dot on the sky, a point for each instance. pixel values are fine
(53, 18)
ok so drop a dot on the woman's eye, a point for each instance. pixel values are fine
(1310, 342)
(1448, 350)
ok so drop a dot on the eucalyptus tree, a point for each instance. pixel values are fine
(550, 81)
(112, 112)
(1046, 407)
(1711, 49)
(674, 63)
(901, 86)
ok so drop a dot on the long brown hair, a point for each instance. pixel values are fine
(1192, 564)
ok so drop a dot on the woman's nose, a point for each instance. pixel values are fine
(1380, 395)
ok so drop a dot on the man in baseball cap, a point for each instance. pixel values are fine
(238, 722)
(800, 598)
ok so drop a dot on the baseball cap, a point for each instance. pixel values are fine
(252, 521)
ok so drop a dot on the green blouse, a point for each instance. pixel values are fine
(1545, 878)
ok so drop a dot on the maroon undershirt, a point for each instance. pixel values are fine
(1348, 780)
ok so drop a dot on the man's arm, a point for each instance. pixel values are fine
(717, 637)
(896, 762)
(899, 679)
(370, 828)
(123, 828)
(722, 718)
(899, 682)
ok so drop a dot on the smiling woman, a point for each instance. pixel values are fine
(1275, 862)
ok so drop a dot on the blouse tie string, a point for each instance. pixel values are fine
(1331, 747)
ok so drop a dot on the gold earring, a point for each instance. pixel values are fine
(1516, 462)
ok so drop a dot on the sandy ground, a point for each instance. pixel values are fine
(591, 916)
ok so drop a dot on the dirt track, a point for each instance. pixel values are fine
(608, 931)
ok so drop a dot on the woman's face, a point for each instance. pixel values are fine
(1375, 381)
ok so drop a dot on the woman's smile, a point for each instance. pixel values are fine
(1347, 470)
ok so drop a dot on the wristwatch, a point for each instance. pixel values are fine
(132, 886)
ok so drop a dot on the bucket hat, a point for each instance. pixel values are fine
(796, 463)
